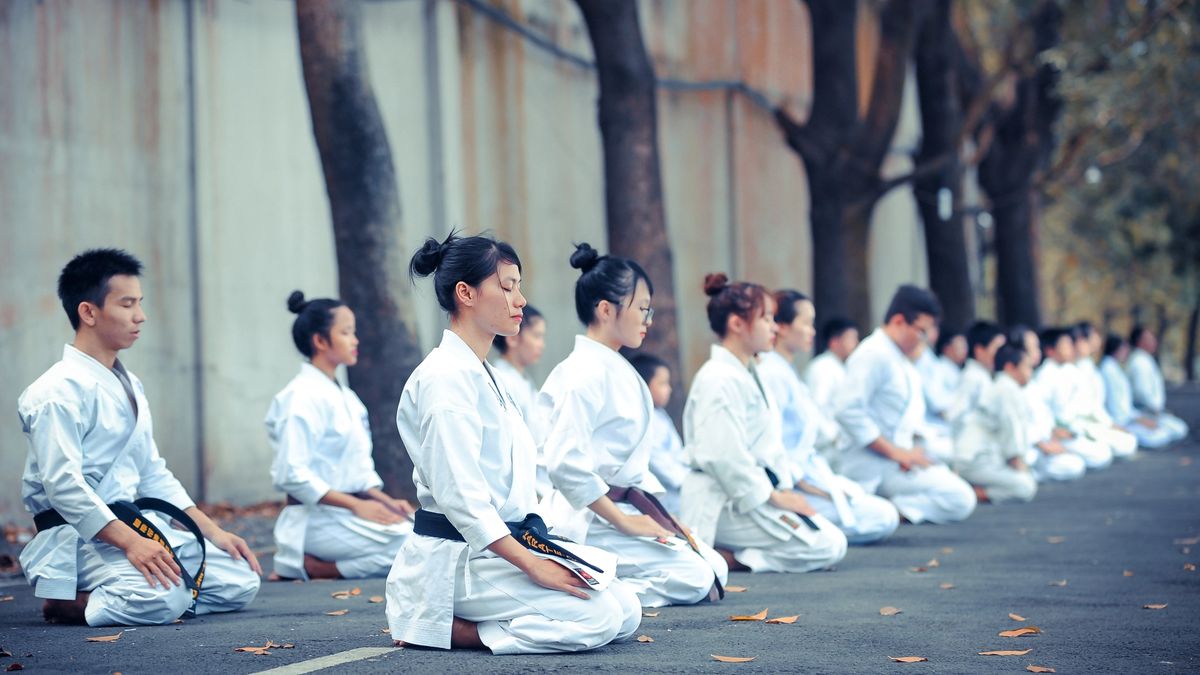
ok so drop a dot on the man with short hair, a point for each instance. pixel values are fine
(97, 558)
(1149, 388)
(883, 407)
(826, 373)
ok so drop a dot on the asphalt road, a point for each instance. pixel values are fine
(1080, 563)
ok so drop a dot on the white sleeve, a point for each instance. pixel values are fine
(295, 432)
(854, 412)
(719, 449)
(570, 419)
(55, 431)
(665, 463)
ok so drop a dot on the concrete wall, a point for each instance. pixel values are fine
(180, 130)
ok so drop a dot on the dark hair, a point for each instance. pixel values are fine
(466, 259)
(911, 302)
(1008, 353)
(85, 278)
(1085, 328)
(1016, 333)
(835, 327)
(500, 342)
(603, 277)
(313, 317)
(1113, 344)
(785, 305)
(647, 365)
(741, 298)
(1135, 335)
(981, 334)
(1050, 337)
(945, 337)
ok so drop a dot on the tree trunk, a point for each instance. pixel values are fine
(843, 151)
(1189, 356)
(941, 122)
(1016, 269)
(364, 206)
(633, 195)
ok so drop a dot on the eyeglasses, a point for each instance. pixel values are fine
(647, 315)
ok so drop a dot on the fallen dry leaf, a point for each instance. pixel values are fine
(105, 638)
(1039, 669)
(386, 631)
(947, 550)
(6, 598)
(1016, 617)
(4, 653)
(1186, 550)
(1018, 632)
(735, 589)
(650, 614)
(1060, 582)
(257, 651)
(337, 612)
(1155, 606)
(356, 591)
(340, 595)
(645, 638)
(889, 611)
(1055, 540)
(918, 569)
(1185, 461)
(933, 563)
(1006, 652)
(945, 585)
(1190, 541)
(784, 619)
(750, 617)
(14, 667)
(375, 599)
(733, 659)
(908, 659)
(1189, 567)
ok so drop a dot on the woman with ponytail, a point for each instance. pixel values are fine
(480, 570)
(740, 496)
(597, 411)
(338, 522)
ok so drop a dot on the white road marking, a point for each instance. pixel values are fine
(330, 661)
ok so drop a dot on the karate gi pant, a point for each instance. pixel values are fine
(121, 596)
(1151, 439)
(934, 494)
(1095, 454)
(875, 518)
(1061, 467)
(1001, 482)
(1122, 443)
(356, 555)
(523, 625)
(660, 576)
(762, 551)
(1177, 427)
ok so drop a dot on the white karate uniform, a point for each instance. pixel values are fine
(989, 435)
(732, 433)
(89, 446)
(524, 394)
(825, 377)
(1063, 466)
(598, 411)
(883, 397)
(940, 379)
(864, 518)
(473, 461)
(1150, 392)
(322, 441)
(668, 460)
(1118, 401)
(1059, 384)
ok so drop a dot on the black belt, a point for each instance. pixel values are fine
(531, 532)
(649, 505)
(130, 513)
(292, 501)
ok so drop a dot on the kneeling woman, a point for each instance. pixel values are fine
(338, 522)
(740, 497)
(598, 412)
(463, 579)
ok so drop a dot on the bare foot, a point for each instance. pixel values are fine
(66, 611)
(981, 494)
(734, 565)
(320, 569)
(465, 635)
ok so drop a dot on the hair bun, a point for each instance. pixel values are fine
(296, 302)
(426, 260)
(585, 257)
(714, 283)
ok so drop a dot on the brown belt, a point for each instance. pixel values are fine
(292, 501)
(649, 505)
